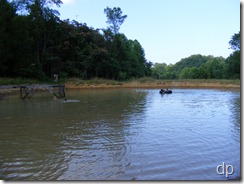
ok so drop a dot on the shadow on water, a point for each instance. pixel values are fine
(29, 144)
(98, 137)
(44, 139)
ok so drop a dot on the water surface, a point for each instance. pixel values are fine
(121, 134)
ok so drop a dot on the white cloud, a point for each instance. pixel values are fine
(68, 1)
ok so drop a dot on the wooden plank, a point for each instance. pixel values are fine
(8, 87)
(31, 86)
(42, 86)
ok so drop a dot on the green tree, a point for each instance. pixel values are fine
(232, 69)
(138, 62)
(41, 22)
(192, 61)
(114, 18)
(23, 42)
(15, 42)
(213, 69)
(235, 42)
(35, 43)
(159, 70)
(7, 15)
(189, 73)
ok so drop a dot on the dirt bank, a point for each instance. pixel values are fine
(140, 83)
(154, 84)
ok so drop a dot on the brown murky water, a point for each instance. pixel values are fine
(121, 134)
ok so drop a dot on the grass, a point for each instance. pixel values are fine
(151, 82)
(141, 82)
(95, 81)
(17, 81)
(221, 81)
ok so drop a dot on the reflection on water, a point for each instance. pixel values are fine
(121, 134)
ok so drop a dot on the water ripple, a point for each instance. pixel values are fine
(121, 134)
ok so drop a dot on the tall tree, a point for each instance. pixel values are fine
(15, 41)
(235, 42)
(35, 43)
(115, 18)
(40, 16)
(137, 58)
(26, 4)
(232, 69)
(7, 15)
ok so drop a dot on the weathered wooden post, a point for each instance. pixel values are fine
(61, 91)
(23, 89)
(28, 92)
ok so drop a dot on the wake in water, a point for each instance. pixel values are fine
(65, 100)
(68, 101)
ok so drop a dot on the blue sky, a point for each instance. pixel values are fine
(168, 30)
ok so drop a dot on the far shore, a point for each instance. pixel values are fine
(75, 83)
(152, 83)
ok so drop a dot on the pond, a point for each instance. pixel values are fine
(122, 134)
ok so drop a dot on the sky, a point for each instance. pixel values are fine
(168, 30)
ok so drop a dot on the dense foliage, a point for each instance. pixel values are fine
(203, 67)
(35, 43)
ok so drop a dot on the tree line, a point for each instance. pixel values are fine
(203, 67)
(35, 43)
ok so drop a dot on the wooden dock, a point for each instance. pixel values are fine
(26, 91)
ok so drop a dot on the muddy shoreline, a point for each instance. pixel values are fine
(152, 85)
(136, 84)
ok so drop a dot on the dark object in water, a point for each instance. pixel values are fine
(67, 101)
(167, 91)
